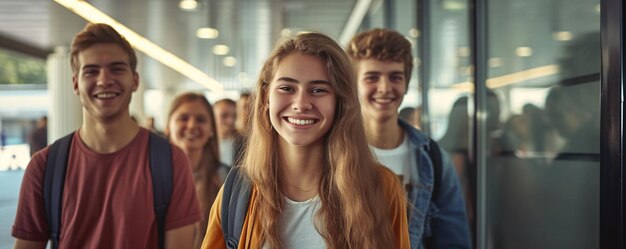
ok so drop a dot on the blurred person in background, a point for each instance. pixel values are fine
(38, 139)
(242, 124)
(410, 115)
(243, 113)
(456, 142)
(150, 125)
(3, 138)
(191, 126)
(225, 116)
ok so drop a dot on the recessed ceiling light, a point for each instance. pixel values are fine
(562, 35)
(453, 5)
(524, 51)
(207, 33)
(220, 49)
(286, 32)
(414, 33)
(230, 61)
(416, 62)
(495, 62)
(188, 4)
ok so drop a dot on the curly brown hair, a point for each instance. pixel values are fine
(383, 45)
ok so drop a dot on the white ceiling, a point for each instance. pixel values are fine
(249, 27)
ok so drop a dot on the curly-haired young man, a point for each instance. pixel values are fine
(383, 61)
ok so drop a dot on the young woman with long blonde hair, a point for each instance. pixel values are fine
(315, 183)
(191, 126)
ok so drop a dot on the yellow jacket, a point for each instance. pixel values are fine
(251, 235)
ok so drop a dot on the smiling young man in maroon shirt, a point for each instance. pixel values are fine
(107, 200)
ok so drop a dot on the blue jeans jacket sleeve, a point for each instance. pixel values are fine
(449, 226)
(442, 218)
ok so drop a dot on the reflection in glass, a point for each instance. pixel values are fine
(543, 168)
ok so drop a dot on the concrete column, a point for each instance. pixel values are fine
(65, 110)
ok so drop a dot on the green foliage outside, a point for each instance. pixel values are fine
(19, 69)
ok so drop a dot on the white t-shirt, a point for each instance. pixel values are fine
(297, 229)
(400, 160)
(226, 151)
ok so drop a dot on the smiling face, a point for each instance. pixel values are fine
(105, 81)
(190, 126)
(382, 85)
(301, 100)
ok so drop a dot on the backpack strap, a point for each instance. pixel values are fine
(54, 180)
(161, 170)
(235, 201)
(53, 183)
(434, 152)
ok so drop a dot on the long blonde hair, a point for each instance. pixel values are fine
(354, 213)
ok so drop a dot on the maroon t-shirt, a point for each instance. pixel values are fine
(107, 198)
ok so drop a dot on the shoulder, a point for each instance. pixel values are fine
(177, 153)
(41, 156)
(37, 164)
(146, 136)
(181, 166)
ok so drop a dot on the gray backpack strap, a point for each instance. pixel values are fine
(161, 170)
(53, 183)
(235, 200)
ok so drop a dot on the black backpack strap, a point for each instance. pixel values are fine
(235, 200)
(434, 152)
(161, 170)
(53, 183)
(435, 156)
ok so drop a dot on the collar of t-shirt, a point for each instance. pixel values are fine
(297, 227)
(398, 159)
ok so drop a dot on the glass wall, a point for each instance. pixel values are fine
(542, 117)
(543, 143)
(450, 92)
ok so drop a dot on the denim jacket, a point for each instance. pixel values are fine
(444, 219)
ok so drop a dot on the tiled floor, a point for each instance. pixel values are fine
(9, 191)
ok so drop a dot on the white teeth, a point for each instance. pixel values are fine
(105, 95)
(383, 101)
(301, 121)
(191, 135)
